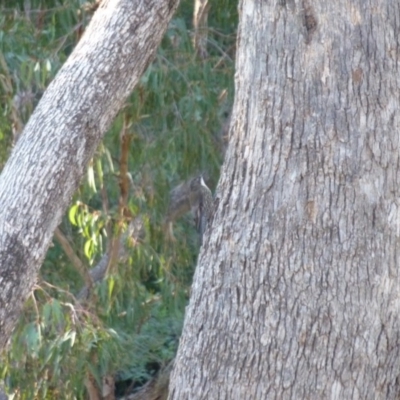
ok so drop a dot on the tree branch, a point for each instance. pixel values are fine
(124, 192)
(60, 138)
(132, 235)
(72, 256)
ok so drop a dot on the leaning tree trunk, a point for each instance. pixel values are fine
(297, 291)
(50, 158)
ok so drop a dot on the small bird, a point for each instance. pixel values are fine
(202, 204)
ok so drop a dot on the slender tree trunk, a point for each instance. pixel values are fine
(297, 290)
(50, 158)
(200, 25)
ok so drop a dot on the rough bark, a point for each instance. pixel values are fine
(200, 25)
(296, 293)
(50, 158)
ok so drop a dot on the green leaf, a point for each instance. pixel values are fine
(88, 249)
(111, 284)
(99, 170)
(32, 339)
(91, 180)
(109, 159)
(57, 311)
(70, 336)
(72, 214)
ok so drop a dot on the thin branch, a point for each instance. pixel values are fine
(92, 387)
(124, 193)
(75, 260)
(132, 234)
(106, 208)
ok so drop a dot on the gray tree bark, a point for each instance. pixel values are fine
(50, 158)
(200, 25)
(297, 290)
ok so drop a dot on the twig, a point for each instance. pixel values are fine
(133, 233)
(124, 192)
(106, 207)
(75, 260)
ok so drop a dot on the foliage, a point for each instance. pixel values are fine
(131, 322)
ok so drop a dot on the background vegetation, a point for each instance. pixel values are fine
(169, 130)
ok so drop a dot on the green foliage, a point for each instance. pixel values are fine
(131, 323)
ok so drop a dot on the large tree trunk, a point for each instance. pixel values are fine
(297, 289)
(51, 156)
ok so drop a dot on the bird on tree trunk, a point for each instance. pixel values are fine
(201, 204)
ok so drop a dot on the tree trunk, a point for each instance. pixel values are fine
(50, 158)
(296, 293)
(200, 25)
